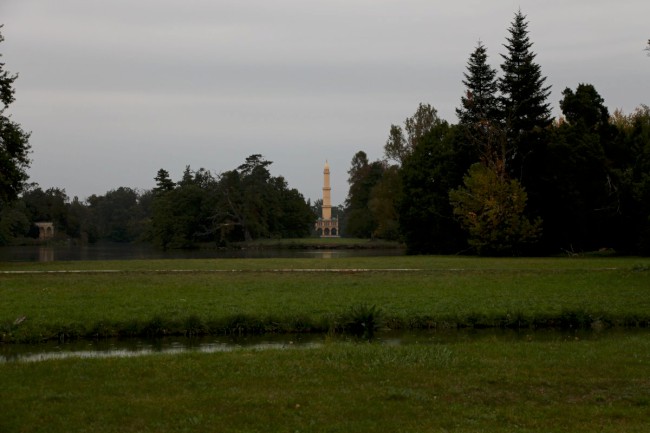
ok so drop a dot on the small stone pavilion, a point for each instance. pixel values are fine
(45, 230)
(327, 226)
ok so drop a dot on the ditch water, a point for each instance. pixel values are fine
(128, 348)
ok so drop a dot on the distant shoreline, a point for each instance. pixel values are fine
(319, 244)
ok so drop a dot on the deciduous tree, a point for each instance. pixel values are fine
(399, 146)
(584, 107)
(252, 204)
(491, 208)
(425, 215)
(14, 143)
(363, 176)
(580, 193)
(182, 212)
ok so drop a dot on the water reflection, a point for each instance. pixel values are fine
(45, 254)
(127, 348)
(109, 251)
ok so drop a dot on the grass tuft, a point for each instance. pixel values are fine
(362, 320)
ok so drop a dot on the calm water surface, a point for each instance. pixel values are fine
(127, 348)
(144, 252)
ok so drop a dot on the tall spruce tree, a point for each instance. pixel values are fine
(480, 102)
(523, 96)
(479, 114)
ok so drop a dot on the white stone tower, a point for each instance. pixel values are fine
(327, 226)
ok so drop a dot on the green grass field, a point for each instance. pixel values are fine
(52, 300)
(563, 385)
(558, 383)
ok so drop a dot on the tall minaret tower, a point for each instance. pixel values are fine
(327, 226)
(327, 196)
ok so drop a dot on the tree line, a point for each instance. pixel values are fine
(507, 178)
(242, 204)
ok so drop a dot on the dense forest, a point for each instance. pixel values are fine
(506, 179)
(242, 204)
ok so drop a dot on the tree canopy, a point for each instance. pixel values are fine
(14, 142)
(507, 179)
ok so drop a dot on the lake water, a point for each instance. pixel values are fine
(108, 251)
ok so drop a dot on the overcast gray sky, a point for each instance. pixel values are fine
(115, 90)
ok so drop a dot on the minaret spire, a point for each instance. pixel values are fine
(327, 226)
(327, 193)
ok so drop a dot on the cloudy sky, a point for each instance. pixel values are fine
(115, 90)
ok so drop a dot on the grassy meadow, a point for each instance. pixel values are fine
(559, 383)
(563, 385)
(191, 297)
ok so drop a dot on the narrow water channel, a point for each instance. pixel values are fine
(125, 348)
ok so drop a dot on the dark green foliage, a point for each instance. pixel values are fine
(157, 326)
(117, 215)
(194, 326)
(14, 222)
(362, 320)
(580, 190)
(631, 169)
(383, 187)
(576, 195)
(48, 205)
(295, 216)
(398, 146)
(584, 107)
(363, 177)
(480, 103)
(163, 181)
(479, 114)
(490, 206)
(181, 215)
(522, 84)
(244, 199)
(523, 101)
(252, 204)
(14, 143)
(383, 204)
(587, 176)
(425, 215)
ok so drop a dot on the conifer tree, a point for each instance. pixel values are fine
(480, 101)
(523, 95)
(522, 84)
